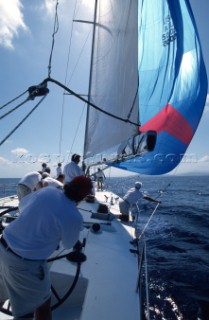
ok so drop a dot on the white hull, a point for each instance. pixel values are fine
(106, 288)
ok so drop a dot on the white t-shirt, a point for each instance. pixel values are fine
(46, 217)
(31, 179)
(72, 170)
(100, 174)
(59, 171)
(133, 195)
(51, 182)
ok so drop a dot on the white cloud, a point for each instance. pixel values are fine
(4, 161)
(19, 151)
(49, 7)
(11, 21)
(204, 159)
(8, 141)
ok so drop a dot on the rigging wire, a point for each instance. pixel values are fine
(63, 97)
(152, 214)
(88, 102)
(56, 28)
(61, 125)
(23, 120)
(9, 102)
(15, 108)
(147, 224)
(79, 56)
(146, 281)
(78, 126)
(133, 103)
(66, 74)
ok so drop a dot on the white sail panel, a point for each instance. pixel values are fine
(114, 76)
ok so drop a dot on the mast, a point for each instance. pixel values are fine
(90, 72)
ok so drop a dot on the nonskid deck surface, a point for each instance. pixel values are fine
(8, 201)
(106, 287)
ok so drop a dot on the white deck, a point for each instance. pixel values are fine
(106, 288)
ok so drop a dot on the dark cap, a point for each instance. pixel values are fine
(78, 188)
(75, 157)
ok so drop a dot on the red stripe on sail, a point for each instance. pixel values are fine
(171, 121)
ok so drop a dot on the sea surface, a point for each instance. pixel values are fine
(177, 242)
(8, 186)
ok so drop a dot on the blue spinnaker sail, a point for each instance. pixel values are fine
(172, 82)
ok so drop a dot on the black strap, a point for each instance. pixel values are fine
(5, 245)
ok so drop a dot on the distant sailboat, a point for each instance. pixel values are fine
(147, 92)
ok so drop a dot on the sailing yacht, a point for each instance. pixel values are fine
(147, 91)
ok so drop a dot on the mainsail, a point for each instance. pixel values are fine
(114, 77)
(147, 60)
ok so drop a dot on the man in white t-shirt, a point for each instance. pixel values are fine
(59, 169)
(29, 183)
(100, 178)
(51, 182)
(72, 169)
(47, 217)
(132, 197)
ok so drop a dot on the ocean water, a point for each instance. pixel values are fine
(8, 186)
(177, 242)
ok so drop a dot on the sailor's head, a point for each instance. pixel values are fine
(78, 188)
(75, 158)
(44, 165)
(138, 185)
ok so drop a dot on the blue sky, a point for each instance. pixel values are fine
(25, 44)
